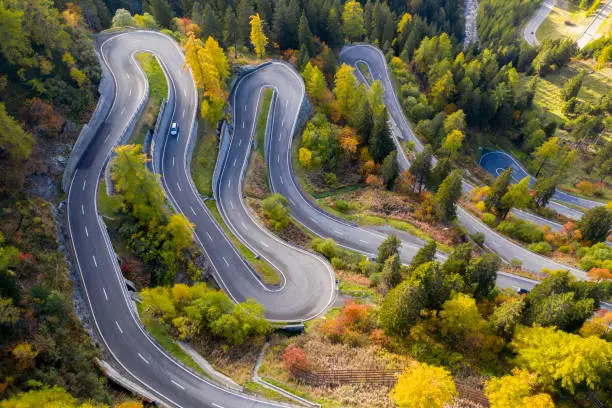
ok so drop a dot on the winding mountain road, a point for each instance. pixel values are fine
(307, 288)
(534, 22)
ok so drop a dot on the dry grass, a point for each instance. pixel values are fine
(255, 184)
(236, 362)
(322, 354)
(565, 20)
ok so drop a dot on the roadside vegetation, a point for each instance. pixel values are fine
(158, 90)
(568, 19)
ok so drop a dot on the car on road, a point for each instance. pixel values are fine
(174, 129)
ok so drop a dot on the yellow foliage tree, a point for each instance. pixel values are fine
(258, 38)
(514, 391)
(424, 386)
(452, 142)
(305, 157)
(24, 355)
(130, 404)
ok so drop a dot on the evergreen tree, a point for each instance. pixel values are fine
(210, 24)
(517, 196)
(381, 141)
(447, 196)
(420, 168)
(458, 261)
(266, 11)
(545, 188)
(161, 11)
(365, 124)
(481, 275)
(426, 254)
(244, 11)
(335, 39)
(305, 36)
(439, 172)
(498, 189)
(595, 224)
(388, 248)
(197, 13)
(390, 275)
(390, 169)
(230, 31)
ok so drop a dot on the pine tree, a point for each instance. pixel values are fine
(447, 196)
(420, 168)
(244, 12)
(517, 196)
(388, 248)
(426, 254)
(390, 276)
(305, 36)
(498, 189)
(381, 140)
(230, 31)
(160, 9)
(390, 169)
(197, 13)
(335, 39)
(439, 172)
(210, 24)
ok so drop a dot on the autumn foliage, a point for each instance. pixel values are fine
(294, 358)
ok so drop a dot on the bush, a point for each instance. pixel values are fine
(337, 263)
(330, 179)
(327, 247)
(478, 237)
(542, 247)
(565, 249)
(294, 358)
(341, 205)
(488, 219)
(597, 256)
(276, 211)
(522, 230)
(480, 206)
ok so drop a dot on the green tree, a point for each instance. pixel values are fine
(458, 260)
(517, 196)
(547, 151)
(335, 38)
(123, 18)
(454, 121)
(420, 168)
(15, 46)
(401, 309)
(595, 224)
(427, 253)
(305, 36)
(244, 11)
(562, 360)
(161, 11)
(481, 275)
(439, 172)
(424, 386)
(390, 169)
(380, 142)
(388, 248)
(15, 148)
(498, 189)
(545, 188)
(572, 86)
(447, 196)
(460, 318)
(452, 143)
(315, 82)
(390, 276)
(276, 210)
(352, 21)
(436, 285)
(506, 317)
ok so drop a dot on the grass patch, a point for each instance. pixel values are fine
(262, 119)
(204, 159)
(107, 205)
(161, 335)
(365, 71)
(259, 389)
(158, 90)
(267, 273)
(566, 20)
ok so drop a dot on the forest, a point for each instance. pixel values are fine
(438, 322)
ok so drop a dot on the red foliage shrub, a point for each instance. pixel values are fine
(294, 358)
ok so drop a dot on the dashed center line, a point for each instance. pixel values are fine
(84, 183)
(86, 232)
(179, 186)
(239, 142)
(217, 405)
(173, 161)
(225, 260)
(105, 295)
(177, 384)
(286, 103)
(363, 240)
(130, 92)
(338, 232)
(122, 111)
(243, 124)
(193, 211)
(281, 180)
(229, 183)
(119, 327)
(232, 204)
(82, 209)
(245, 108)
(127, 75)
(243, 224)
(143, 359)
(264, 244)
(183, 112)
(234, 164)
(209, 237)
(278, 158)
(94, 260)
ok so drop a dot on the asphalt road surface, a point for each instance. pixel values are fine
(113, 312)
(538, 18)
(590, 32)
(374, 59)
(496, 162)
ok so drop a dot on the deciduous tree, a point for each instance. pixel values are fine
(516, 391)
(595, 224)
(258, 37)
(276, 211)
(352, 21)
(424, 386)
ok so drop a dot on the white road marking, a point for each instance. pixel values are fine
(86, 232)
(183, 112)
(209, 237)
(179, 186)
(229, 183)
(243, 225)
(243, 124)
(122, 111)
(119, 327)
(127, 75)
(106, 138)
(338, 232)
(286, 102)
(217, 405)
(281, 179)
(264, 244)
(193, 211)
(232, 204)
(313, 220)
(239, 142)
(143, 359)
(283, 123)
(84, 182)
(234, 165)
(292, 202)
(245, 108)
(185, 92)
(82, 209)
(364, 241)
(278, 158)
(177, 384)
(225, 260)
(105, 295)
(130, 92)
(172, 161)
(94, 259)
